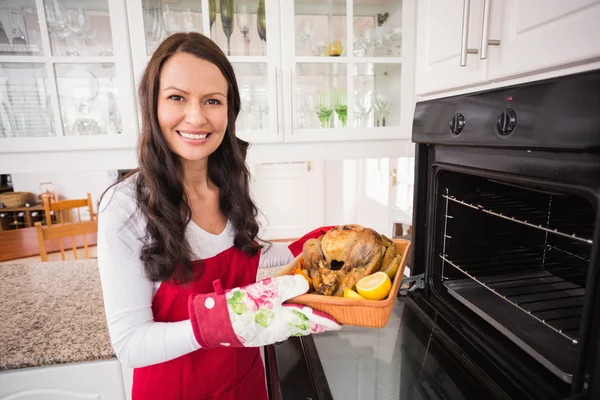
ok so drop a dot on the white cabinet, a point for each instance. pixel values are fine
(290, 198)
(98, 380)
(465, 43)
(445, 31)
(65, 76)
(540, 34)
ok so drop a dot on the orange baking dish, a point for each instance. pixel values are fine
(357, 312)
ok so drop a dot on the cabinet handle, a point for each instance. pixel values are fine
(277, 100)
(291, 103)
(485, 34)
(464, 41)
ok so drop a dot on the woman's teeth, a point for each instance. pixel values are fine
(192, 135)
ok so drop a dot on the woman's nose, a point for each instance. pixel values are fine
(194, 114)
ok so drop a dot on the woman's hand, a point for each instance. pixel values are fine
(254, 315)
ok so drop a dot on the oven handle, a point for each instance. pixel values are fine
(485, 33)
(464, 40)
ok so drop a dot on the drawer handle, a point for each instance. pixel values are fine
(485, 34)
(276, 99)
(464, 41)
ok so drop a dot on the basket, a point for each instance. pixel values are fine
(15, 199)
(356, 312)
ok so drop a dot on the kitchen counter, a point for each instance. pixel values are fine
(51, 313)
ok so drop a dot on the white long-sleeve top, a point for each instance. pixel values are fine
(138, 341)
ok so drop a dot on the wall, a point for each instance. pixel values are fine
(67, 184)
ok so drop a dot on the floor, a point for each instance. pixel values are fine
(53, 257)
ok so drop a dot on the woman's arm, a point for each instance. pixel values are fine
(137, 340)
(275, 254)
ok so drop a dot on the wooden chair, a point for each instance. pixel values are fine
(63, 230)
(63, 209)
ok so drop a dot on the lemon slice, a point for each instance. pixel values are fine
(351, 294)
(374, 287)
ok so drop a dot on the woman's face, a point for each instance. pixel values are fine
(192, 106)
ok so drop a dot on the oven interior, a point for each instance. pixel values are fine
(516, 256)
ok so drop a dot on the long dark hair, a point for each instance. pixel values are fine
(161, 198)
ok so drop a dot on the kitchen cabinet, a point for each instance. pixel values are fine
(536, 35)
(65, 76)
(290, 198)
(86, 380)
(307, 72)
(468, 43)
(448, 35)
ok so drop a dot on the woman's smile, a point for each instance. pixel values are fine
(194, 137)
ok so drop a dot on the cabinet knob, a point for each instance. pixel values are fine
(507, 121)
(457, 124)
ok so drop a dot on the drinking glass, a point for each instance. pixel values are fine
(212, 13)
(244, 20)
(227, 21)
(261, 24)
(341, 106)
(323, 107)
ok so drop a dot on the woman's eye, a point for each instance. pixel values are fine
(213, 102)
(176, 97)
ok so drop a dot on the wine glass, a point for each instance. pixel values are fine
(341, 106)
(383, 104)
(227, 21)
(323, 107)
(212, 13)
(244, 20)
(261, 23)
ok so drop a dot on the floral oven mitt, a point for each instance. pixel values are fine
(254, 315)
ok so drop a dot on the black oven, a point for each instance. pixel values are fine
(506, 232)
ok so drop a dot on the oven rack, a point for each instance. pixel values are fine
(536, 280)
(534, 212)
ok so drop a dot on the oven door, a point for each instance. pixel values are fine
(505, 239)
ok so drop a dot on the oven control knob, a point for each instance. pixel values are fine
(457, 123)
(507, 121)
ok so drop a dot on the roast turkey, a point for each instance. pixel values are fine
(343, 256)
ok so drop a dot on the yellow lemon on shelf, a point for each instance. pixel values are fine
(375, 286)
(351, 294)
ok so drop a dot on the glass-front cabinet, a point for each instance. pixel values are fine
(345, 61)
(308, 70)
(65, 75)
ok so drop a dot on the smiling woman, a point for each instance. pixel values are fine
(178, 252)
(192, 108)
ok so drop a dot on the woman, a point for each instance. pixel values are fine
(177, 247)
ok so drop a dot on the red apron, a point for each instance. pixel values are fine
(220, 373)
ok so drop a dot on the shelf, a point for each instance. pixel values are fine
(345, 59)
(534, 211)
(550, 349)
(544, 282)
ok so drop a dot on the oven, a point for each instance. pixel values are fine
(506, 232)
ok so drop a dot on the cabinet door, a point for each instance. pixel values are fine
(100, 380)
(440, 32)
(289, 198)
(348, 69)
(540, 34)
